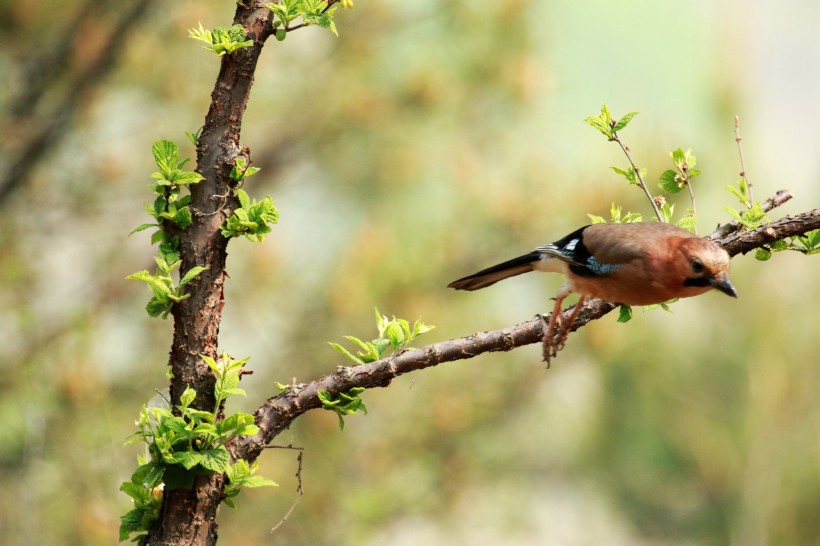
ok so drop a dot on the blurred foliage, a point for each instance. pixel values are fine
(460, 123)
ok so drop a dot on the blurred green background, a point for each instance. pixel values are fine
(428, 140)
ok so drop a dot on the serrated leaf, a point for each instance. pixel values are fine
(156, 308)
(259, 481)
(142, 227)
(186, 459)
(420, 328)
(345, 352)
(187, 397)
(395, 334)
(763, 254)
(216, 459)
(190, 275)
(670, 181)
(183, 218)
(211, 364)
(689, 223)
(248, 430)
(244, 199)
(678, 157)
(186, 178)
(624, 313)
(733, 213)
(597, 123)
(166, 155)
(624, 121)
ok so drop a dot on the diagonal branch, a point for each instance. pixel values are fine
(279, 411)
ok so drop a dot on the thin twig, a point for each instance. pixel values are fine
(641, 182)
(738, 138)
(694, 205)
(299, 490)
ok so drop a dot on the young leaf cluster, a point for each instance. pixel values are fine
(187, 444)
(169, 205)
(753, 216)
(170, 208)
(165, 294)
(345, 403)
(607, 125)
(674, 180)
(311, 12)
(252, 218)
(393, 333)
(808, 243)
(241, 170)
(616, 216)
(222, 41)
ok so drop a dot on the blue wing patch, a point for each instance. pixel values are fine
(572, 250)
(594, 269)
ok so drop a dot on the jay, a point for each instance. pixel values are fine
(632, 264)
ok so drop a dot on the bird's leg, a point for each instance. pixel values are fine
(561, 333)
(563, 330)
(547, 336)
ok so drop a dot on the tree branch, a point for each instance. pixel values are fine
(279, 411)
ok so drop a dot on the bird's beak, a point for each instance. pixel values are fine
(724, 285)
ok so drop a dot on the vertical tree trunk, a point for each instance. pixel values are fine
(188, 516)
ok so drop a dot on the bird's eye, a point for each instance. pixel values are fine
(697, 266)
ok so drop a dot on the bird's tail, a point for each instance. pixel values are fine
(492, 275)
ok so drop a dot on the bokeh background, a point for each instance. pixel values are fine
(428, 140)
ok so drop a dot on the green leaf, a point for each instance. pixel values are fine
(689, 223)
(420, 328)
(624, 121)
(186, 459)
(187, 397)
(763, 254)
(142, 227)
(190, 275)
(345, 352)
(395, 334)
(212, 365)
(679, 157)
(244, 199)
(183, 218)
(624, 313)
(158, 308)
(671, 182)
(221, 41)
(166, 156)
(216, 459)
(734, 214)
(259, 481)
(194, 136)
(186, 178)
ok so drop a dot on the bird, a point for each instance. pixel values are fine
(639, 263)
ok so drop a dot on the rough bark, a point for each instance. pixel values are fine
(189, 516)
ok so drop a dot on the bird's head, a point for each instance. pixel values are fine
(707, 265)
